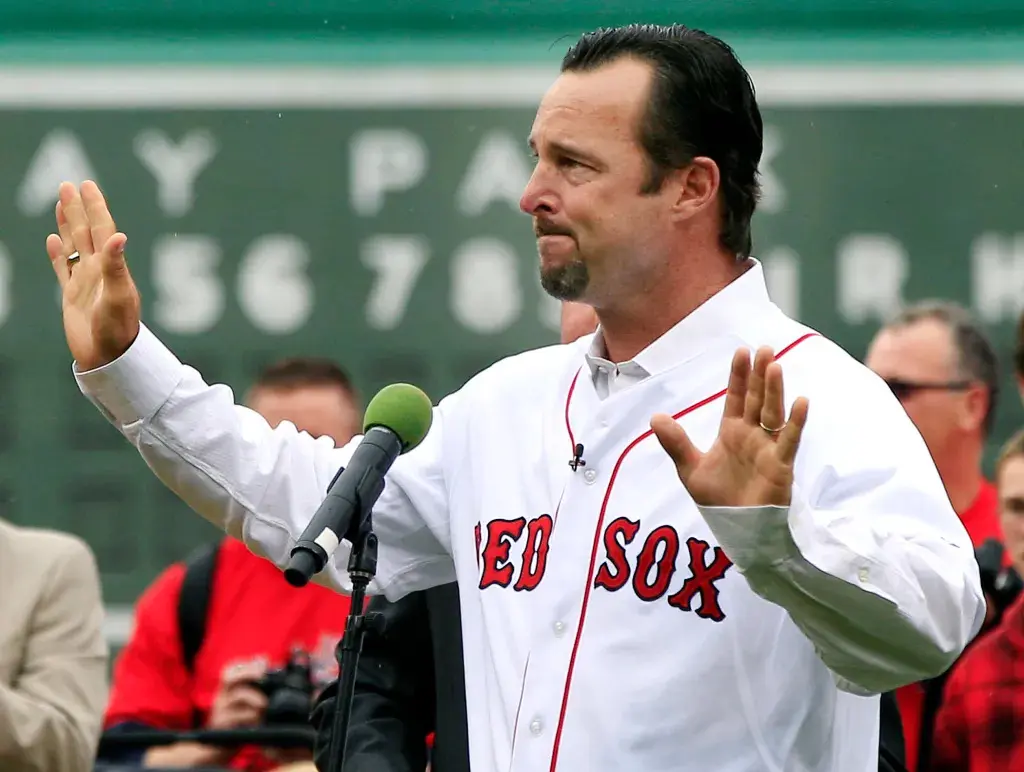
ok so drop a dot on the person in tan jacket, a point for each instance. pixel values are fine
(53, 655)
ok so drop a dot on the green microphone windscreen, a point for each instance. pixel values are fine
(404, 409)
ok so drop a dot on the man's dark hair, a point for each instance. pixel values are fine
(976, 358)
(702, 103)
(304, 372)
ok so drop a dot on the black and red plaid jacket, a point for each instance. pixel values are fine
(980, 726)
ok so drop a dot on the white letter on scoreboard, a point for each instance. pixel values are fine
(189, 292)
(175, 167)
(997, 273)
(60, 157)
(382, 161)
(498, 172)
(871, 271)
(397, 262)
(274, 290)
(773, 191)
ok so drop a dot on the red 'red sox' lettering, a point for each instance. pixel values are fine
(644, 586)
(653, 574)
(535, 556)
(497, 568)
(501, 534)
(656, 562)
(702, 581)
(613, 574)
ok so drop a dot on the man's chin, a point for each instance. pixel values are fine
(560, 290)
(566, 282)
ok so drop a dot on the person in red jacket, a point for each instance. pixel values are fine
(255, 619)
(945, 372)
(978, 725)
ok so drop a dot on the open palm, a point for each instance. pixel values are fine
(99, 300)
(751, 462)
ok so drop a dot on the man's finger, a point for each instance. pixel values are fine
(676, 443)
(64, 229)
(113, 265)
(242, 697)
(789, 438)
(55, 249)
(755, 386)
(100, 222)
(736, 393)
(773, 411)
(242, 672)
(78, 221)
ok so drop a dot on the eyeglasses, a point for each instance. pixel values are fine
(903, 389)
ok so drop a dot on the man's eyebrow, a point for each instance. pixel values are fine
(564, 149)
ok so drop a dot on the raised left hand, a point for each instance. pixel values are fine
(751, 462)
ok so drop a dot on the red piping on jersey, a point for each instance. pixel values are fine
(568, 401)
(600, 523)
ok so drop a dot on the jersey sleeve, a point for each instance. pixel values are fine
(150, 685)
(263, 485)
(869, 560)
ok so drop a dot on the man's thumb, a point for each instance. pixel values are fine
(676, 443)
(112, 259)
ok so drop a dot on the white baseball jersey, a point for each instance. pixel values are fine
(609, 623)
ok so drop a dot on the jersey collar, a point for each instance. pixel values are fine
(730, 310)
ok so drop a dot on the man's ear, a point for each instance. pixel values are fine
(696, 187)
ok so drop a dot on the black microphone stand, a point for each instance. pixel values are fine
(362, 565)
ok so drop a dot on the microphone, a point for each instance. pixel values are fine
(577, 458)
(396, 421)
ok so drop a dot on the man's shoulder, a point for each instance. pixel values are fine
(34, 535)
(820, 368)
(48, 546)
(526, 371)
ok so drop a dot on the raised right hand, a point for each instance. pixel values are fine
(100, 301)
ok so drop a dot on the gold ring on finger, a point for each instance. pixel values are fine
(73, 258)
(771, 431)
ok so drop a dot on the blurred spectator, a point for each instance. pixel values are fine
(578, 319)
(255, 618)
(978, 727)
(53, 656)
(940, 365)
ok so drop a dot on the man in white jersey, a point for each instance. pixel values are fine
(735, 603)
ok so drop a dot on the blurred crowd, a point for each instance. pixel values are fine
(221, 642)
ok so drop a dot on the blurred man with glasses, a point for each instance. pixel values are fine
(940, 365)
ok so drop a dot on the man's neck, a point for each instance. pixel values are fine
(962, 477)
(628, 330)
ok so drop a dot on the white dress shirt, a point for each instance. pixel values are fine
(593, 639)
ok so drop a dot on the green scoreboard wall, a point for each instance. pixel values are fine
(372, 215)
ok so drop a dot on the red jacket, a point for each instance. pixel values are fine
(253, 613)
(978, 726)
(981, 520)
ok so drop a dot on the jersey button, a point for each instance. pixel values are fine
(590, 475)
(559, 628)
(536, 726)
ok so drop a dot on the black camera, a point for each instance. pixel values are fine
(1001, 583)
(289, 692)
